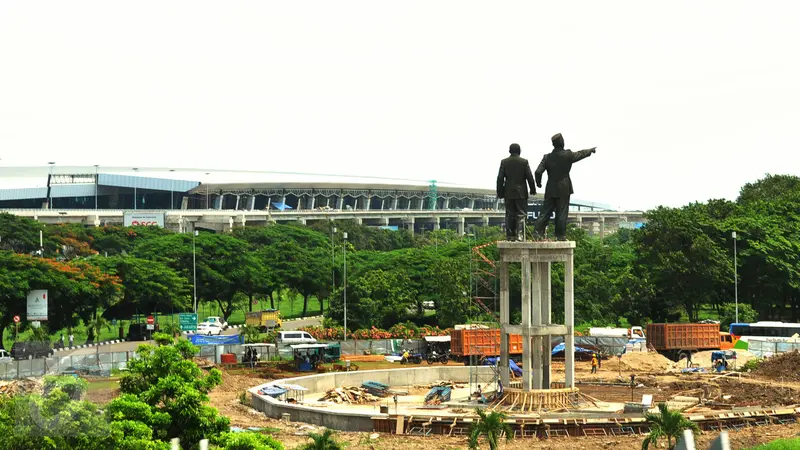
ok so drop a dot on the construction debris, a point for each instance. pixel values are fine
(441, 383)
(349, 394)
(438, 394)
(20, 387)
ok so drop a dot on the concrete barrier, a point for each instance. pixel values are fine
(354, 421)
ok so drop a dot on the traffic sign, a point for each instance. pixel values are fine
(16, 319)
(150, 320)
(188, 321)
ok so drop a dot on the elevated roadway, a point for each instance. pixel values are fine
(595, 222)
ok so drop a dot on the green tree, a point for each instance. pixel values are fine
(727, 314)
(491, 425)
(247, 441)
(376, 298)
(19, 234)
(172, 385)
(666, 424)
(688, 260)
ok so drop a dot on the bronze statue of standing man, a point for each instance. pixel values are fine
(558, 164)
(513, 181)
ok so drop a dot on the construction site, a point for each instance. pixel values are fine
(544, 398)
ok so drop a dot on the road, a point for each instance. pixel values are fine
(132, 346)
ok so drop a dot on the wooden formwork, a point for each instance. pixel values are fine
(536, 399)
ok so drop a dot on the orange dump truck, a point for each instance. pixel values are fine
(481, 342)
(676, 341)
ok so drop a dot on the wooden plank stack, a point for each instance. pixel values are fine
(349, 394)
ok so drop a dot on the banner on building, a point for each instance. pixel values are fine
(37, 304)
(145, 219)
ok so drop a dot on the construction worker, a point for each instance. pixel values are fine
(594, 362)
(405, 357)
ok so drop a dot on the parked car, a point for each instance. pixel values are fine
(218, 320)
(294, 337)
(212, 328)
(5, 357)
(31, 349)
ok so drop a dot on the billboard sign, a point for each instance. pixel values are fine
(188, 321)
(146, 219)
(37, 304)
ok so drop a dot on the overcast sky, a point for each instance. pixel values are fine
(685, 101)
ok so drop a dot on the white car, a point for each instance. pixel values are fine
(209, 328)
(217, 320)
(5, 357)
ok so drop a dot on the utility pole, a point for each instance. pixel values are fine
(194, 269)
(344, 282)
(735, 277)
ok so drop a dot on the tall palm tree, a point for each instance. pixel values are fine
(324, 441)
(666, 423)
(492, 425)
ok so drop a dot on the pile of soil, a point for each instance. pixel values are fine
(646, 362)
(752, 394)
(781, 367)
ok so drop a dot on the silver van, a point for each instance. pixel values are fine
(294, 337)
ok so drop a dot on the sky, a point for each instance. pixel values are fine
(685, 101)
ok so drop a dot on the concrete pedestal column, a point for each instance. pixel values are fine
(461, 226)
(527, 363)
(569, 321)
(546, 318)
(602, 227)
(536, 320)
(504, 319)
(436, 224)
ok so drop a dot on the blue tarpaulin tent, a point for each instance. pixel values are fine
(199, 339)
(281, 206)
(560, 348)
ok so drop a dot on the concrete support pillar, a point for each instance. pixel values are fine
(446, 203)
(253, 203)
(461, 226)
(299, 202)
(485, 221)
(536, 320)
(410, 224)
(365, 200)
(283, 199)
(219, 201)
(569, 321)
(340, 202)
(243, 220)
(527, 362)
(547, 319)
(312, 201)
(395, 200)
(436, 224)
(497, 204)
(301, 220)
(384, 222)
(238, 197)
(359, 220)
(504, 319)
(472, 203)
(602, 227)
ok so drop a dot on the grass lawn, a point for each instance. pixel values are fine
(781, 444)
(290, 307)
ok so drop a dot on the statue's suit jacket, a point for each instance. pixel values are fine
(514, 173)
(558, 163)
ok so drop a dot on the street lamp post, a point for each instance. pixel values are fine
(735, 277)
(95, 187)
(135, 170)
(344, 281)
(194, 270)
(333, 260)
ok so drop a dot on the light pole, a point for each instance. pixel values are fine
(135, 170)
(735, 277)
(95, 187)
(344, 281)
(49, 178)
(194, 270)
(333, 260)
